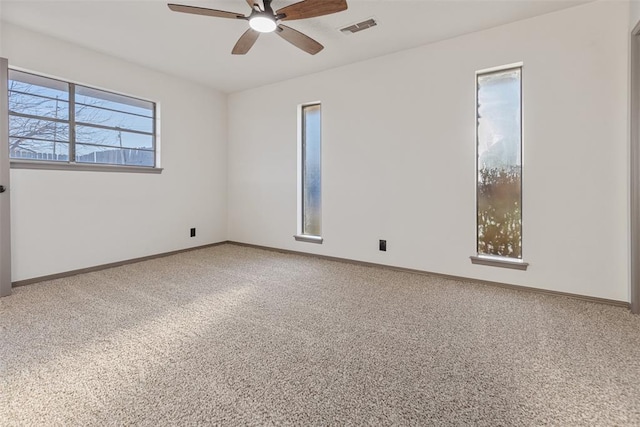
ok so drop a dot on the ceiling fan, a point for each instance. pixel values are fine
(265, 20)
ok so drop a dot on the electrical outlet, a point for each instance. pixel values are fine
(383, 245)
(193, 232)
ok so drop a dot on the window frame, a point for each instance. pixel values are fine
(488, 259)
(71, 164)
(299, 236)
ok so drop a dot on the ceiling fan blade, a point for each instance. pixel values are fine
(204, 11)
(251, 3)
(245, 42)
(299, 40)
(311, 9)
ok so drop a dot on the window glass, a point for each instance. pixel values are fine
(47, 123)
(113, 137)
(38, 117)
(499, 139)
(311, 172)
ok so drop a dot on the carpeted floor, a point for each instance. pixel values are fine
(239, 336)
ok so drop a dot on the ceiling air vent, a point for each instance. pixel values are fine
(354, 28)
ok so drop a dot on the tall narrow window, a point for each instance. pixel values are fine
(499, 164)
(310, 174)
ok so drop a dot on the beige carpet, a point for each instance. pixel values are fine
(237, 336)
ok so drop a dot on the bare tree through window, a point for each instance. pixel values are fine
(54, 120)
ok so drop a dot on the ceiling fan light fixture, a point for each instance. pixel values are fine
(262, 24)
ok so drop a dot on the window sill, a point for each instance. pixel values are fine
(493, 261)
(308, 238)
(43, 165)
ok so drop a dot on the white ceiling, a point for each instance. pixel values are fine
(199, 48)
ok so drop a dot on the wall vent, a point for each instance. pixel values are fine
(354, 28)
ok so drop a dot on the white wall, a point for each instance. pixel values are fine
(1, 25)
(634, 13)
(66, 220)
(398, 154)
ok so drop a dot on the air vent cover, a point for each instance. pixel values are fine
(354, 28)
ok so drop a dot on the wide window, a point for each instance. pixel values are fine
(64, 123)
(499, 163)
(310, 174)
